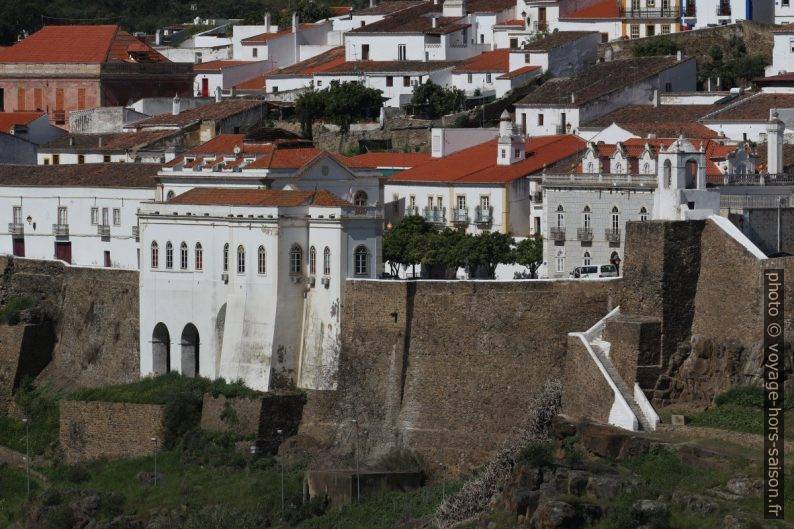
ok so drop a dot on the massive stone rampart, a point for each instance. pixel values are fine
(447, 368)
(95, 317)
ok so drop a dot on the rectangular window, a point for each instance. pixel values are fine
(665, 29)
(513, 43)
(791, 45)
(430, 202)
(784, 3)
(80, 158)
(461, 201)
(401, 52)
(406, 81)
(412, 201)
(38, 99)
(560, 264)
(395, 201)
(650, 30)
(327, 262)
(62, 216)
(469, 78)
(94, 216)
(255, 52)
(17, 214)
(389, 80)
(105, 219)
(59, 99)
(80, 98)
(106, 158)
(668, 87)
(488, 78)
(116, 217)
(365, 52)
(107, 259)
(540, 120)
(485, 201)
(20, 99)
(635, 31)
(526, 58)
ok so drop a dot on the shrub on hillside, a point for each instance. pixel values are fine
(181, 414)
(536, 454)
(752, 396)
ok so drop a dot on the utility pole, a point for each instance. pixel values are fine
(280, 438)
(358, 470)
(154, 440)
(27, 453)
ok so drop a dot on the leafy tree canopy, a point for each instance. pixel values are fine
(435, 100)
(529, 253)
(340, 103)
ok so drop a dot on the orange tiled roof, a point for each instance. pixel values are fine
(478, 164)
(223, 196)
(517, 22)
(519, 72)
(607, 9)
(489, 61)
(389, 159)
(77, 44)
(9, 119)
(217, 65)
(319, 63)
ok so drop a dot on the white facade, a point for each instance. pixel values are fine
(396, 85)
(609, 29)
(784, 12)
(81, 213)
(709, 13)
(782, 52)
(225, 76)
(249, 310)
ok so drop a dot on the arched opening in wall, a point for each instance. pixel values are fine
(667, 170)
(220, 324)
(169, 195)
(161, 349)
(360, 200)
(691, 174)
(190, 351)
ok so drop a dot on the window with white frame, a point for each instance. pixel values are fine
(401, 52)
(469, 78)
(635, 31)
(241, 259)
(361, 261)
(261, 261)
(488, 77)
(586, 218)
(560, 262)
(183, 256)
(169, 255)
(17, 212)
(560, 216)
(327, 261)
(226, 257)
(295, 260)
(312, 260)
(116, 217)
(665, 29)
(105, 217)
(63, 216)
(615, 219)
(155, 255)
(643, 214)
(586, 259)
(199, 257)
(95, 216)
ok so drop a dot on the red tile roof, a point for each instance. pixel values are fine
(222, 196)
(211, 111)
(121, 175)
(212, 66)
(608, 9)
(478, 164)
(519, 72)
(387, 7)
(489, 61)
(319, 63)
(78, 44)
(340, 10)
(663, 121)
(517, 22)
(385, 67)
(263, 38)
(389, 159)
(9, 119)
(753, 108)
(257, 84)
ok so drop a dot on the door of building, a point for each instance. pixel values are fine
(205, 87)
(107, 259)
(19, 247)
(63, 251)
(541, 19)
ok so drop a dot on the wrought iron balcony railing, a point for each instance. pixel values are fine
(483, 215)
(612, 235)
(557, 234)
(584, 234)
(60, 230)
(16, 228)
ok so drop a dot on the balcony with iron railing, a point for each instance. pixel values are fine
(557, 234)
(436, 215)
(638, 13)
(540, 26)
(483, 215)
(370, 212)
(612, 235)
(460, 215)
(723, 10)
(600, 181)
(103, 230)
(60, 230)
(584, 234)
(16, 228)
(410, 211)
(758, 179)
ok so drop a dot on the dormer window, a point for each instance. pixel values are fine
(504, 153)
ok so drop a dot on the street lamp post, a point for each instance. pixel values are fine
(280, 439)
(154, 440)
(27, 453)
(358, 471)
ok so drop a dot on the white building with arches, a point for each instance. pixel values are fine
(637, 180)
(248, 283)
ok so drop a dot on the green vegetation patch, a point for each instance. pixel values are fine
(10, 312)
(41, 406)
(13, 493)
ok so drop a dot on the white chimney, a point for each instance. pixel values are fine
(295, 27)
(679, 56)
(573, 98)
(175, 105)
(158, 37)
(218, 94)
(434, 22)
(267, 22)
(655, 98)
(774, 145)
(372, 3)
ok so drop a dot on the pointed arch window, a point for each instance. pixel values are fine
(643, 214)
(169, 255)
(183, 256)
(296, 259)
(226, 257)
(261, 261)
(327, 261)
(241, 259)
(155, 255)
(615, 219)
(560, 216)
(586, 218)
(586, 259)
(199, 257)
(312, 260)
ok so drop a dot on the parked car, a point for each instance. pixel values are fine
(587, 272)
(608, 270)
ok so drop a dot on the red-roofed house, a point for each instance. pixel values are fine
(481, 188)
(488, 74)
(31, 126)
(63, 68)
(223, 74)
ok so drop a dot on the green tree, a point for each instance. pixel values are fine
(404, 243)
(490, 249)
(529, 253)
(657, 46)
(340, 103)
(435, 100)
(443, 252)
(309, 106)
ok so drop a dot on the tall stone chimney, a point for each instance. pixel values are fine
(176, 105)
(774, 145)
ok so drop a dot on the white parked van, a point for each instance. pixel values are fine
(590, 271)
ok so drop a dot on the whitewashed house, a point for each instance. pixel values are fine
(223, 75)
(561, 105)
(83, 215)
(148, 146)
(746, 118)
(587, 209)
(782, 50)
(248, 283)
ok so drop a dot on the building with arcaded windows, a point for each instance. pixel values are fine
(248, 283)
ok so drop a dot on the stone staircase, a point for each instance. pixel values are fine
(601, 349)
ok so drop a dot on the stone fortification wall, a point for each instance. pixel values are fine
(113, 430)
(95, 316)
(447, 368)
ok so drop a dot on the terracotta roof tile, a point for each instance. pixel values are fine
(319, 63)
(608, 9)
(122, 141)
(517, 22)
(415, 19)
(210, 111)
(264, 38)
(9, 119)
(388, 7)
(557, 39)
(754, 108)
(256, 84)
(121, 175)
(222, 196)
(124, 43)
(489, 61)
(389, 159)
(478, 164)
(519, 72)
(386, 67)
(216, 66)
